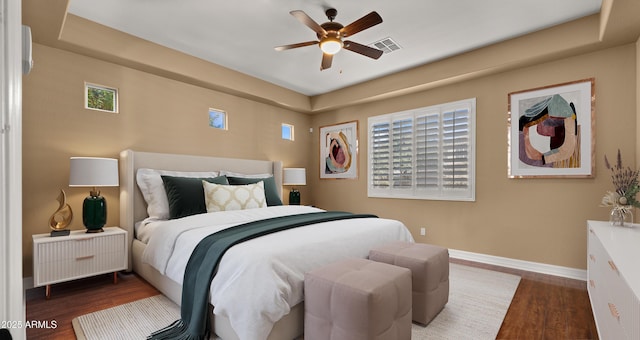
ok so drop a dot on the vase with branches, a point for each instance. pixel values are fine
(623, 199)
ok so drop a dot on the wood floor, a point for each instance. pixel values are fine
(72, 299)
(544, 307)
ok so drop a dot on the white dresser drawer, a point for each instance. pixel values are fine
(613, 281)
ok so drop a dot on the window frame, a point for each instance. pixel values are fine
(114, 100)
(446, 191)
(218, 119)
(291, 131)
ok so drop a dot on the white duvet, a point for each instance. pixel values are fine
(258, 281)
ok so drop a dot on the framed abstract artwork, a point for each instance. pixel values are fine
(339, 151)
(551, 131)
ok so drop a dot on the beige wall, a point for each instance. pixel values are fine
(164, 97)
(540, 220)
(156, 114)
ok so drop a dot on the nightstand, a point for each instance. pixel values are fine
(66, 258)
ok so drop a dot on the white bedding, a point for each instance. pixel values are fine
(258, 281)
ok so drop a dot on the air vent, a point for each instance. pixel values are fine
(386, 45)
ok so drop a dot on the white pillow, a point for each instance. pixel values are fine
(241, 175)
(220, 197)
(150, 183)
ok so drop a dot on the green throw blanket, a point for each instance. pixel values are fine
(203, 265)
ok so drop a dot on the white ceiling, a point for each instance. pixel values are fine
(241, 34)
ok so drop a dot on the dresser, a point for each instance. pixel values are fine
(81, 254)
(613, 270)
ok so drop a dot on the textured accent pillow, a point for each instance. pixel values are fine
(233, 197)
(270, 189)
(186, 196)
(152, 188)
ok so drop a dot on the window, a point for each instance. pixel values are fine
(287, 131)
(100, 98)
(218, 119)
(426, 153)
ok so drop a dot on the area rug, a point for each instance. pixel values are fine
(478, 302)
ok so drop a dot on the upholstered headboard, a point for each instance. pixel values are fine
(133, 207)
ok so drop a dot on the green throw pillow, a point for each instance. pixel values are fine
(270, 190)
(186, 194)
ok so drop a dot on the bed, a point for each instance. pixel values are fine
(160, 259)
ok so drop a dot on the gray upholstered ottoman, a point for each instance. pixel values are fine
(429, 266)
(357, 299)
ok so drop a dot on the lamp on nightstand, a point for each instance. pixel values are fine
(294, 176)
(94, 172)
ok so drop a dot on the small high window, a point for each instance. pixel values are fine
(100, 98)
(218, 119)
(287, 131)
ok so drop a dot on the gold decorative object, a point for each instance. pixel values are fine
(62, 217)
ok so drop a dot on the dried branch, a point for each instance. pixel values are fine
(625, 182)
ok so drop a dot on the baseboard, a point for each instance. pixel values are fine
(536, 267)
(27, 282)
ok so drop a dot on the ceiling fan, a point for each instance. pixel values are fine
(331, 34)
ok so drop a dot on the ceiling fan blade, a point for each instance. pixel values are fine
(305, 19)
(362, 49)
(361, 24)
(302, 44)
(326, 61)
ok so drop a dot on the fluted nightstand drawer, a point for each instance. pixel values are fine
(64, 258)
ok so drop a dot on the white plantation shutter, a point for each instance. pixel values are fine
(427, 153)
(402, 153)
(455, 148)
(380, 162)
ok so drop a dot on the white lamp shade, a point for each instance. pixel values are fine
(93, 172)
(295, 176)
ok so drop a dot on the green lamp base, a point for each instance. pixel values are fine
(94, 213)
(294, 197)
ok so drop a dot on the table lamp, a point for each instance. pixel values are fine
(94, 172)
(294, 176)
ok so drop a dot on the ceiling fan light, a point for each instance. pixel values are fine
(331, 45)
